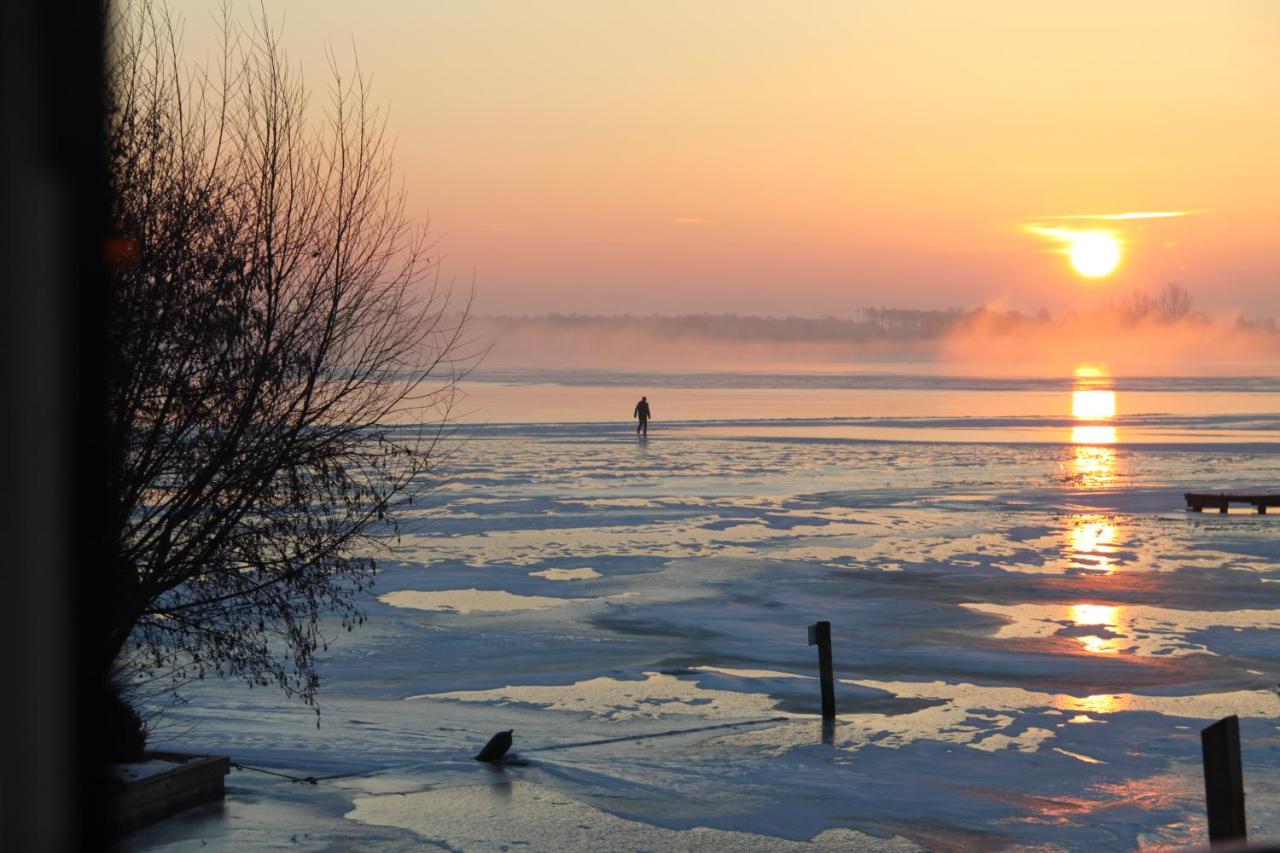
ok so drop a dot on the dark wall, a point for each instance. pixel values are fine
(52, 212)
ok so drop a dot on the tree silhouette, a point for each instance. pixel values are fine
(275, 317)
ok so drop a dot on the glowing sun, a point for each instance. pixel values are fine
(1094, 254)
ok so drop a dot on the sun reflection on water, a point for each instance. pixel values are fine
(1093, 464)
(1091, 542)
(1092, 398)
(1093, 403)
(1090, 404)
(1098, 616)
(1100, 703)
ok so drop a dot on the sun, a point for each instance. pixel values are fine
(1095, 254)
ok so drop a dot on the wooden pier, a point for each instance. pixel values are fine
(1200, 501)
(194, 779)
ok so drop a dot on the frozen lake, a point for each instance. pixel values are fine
(1029, 630)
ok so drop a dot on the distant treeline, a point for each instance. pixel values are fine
(1171, 305)
(869, 324)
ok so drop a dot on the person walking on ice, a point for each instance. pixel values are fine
(642, 412)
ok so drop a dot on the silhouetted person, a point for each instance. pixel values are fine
(497, 747)
(642, 412)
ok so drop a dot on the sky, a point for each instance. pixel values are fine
(815, 158)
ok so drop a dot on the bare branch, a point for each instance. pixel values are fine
(281, 312)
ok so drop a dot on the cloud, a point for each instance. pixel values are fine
(1052, 228)
(1068, 237)
(1116, 217)
(1057, 233)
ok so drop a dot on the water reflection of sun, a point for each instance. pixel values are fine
(1092, 465)
(1099, 616)
(1100, 703)
(1091, 543)
(1093, 404)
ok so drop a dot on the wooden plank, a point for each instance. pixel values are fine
(1223, 780)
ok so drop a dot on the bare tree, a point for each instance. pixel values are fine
(276, 315)
(1172, 304)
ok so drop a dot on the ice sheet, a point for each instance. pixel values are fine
(1027, 639)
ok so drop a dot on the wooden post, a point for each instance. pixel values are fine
(1223, 780)
(820, 636)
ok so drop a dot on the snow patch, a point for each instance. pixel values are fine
(566, 574)
(142, 769)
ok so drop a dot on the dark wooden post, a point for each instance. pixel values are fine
(820, 636)
(1223, 780)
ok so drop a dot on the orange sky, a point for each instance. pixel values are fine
(810, 158)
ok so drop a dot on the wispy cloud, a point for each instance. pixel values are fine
(1064, 228)
(1115, 217)
(1055, 227)
(1067, 237)
(1058, 233)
